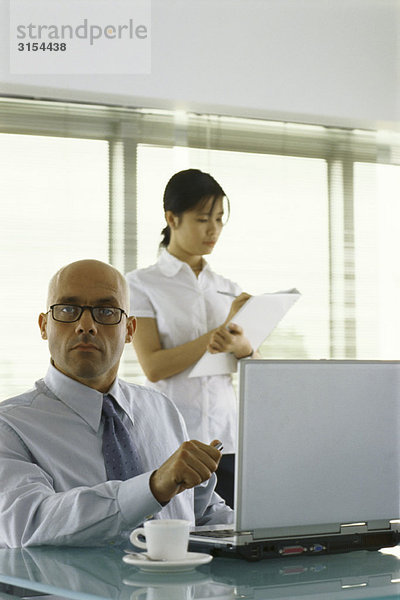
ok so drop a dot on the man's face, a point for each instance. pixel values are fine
(87, 351)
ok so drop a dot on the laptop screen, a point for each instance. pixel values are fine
(318, 443)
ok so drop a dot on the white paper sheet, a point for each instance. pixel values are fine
(258, 318)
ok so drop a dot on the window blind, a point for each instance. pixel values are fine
(311, 206)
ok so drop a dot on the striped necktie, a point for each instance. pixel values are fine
(121, 457)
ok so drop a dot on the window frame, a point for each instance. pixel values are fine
(125, 128)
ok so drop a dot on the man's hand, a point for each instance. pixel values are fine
(193, 463)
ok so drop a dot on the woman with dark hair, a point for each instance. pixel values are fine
(181, 314)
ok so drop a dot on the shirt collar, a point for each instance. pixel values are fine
(83, 400)
(170, 265)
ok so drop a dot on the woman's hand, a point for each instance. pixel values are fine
(230, 338)
(236, 305)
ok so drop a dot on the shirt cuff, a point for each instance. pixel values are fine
(136, 502)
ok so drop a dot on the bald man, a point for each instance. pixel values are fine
(54, 487)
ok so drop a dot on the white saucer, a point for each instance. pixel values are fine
(192, 560)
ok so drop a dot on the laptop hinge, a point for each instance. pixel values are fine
(329, 528)
(379, 524)
(301, 530)
(362, 527)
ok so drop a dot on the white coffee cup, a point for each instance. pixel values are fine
(166, 539)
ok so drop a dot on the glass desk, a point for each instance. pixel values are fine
(99, 573)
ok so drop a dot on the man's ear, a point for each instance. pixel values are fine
(130, 329)
(43, 325)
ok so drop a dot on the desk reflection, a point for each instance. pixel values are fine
(100, 573)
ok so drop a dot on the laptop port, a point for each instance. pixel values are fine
(292, 550)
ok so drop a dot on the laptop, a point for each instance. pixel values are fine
(317, 466)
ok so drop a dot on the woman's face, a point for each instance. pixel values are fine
(197, 231)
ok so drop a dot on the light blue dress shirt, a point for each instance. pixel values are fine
(54, 488)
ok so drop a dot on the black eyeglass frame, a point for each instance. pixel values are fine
(83, 308)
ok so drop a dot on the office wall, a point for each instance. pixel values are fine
(328, 61)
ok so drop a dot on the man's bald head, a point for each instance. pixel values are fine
(93, 269)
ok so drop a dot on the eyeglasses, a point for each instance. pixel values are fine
(70, 313)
